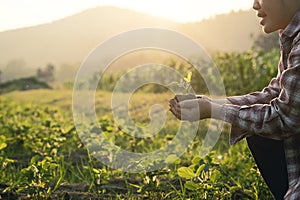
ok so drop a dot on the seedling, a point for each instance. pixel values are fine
(184, 83)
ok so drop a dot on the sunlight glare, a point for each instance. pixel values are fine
(14, 13)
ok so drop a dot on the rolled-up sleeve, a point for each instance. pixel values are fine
(276, 116)
(264, 96)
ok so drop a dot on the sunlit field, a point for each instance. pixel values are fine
(43, 157)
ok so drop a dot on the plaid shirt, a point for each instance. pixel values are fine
(275, 111)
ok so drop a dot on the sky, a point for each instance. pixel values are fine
(22, 13)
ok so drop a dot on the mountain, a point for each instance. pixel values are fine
(226, 32)
(70, 40)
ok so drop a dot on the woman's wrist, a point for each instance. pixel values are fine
(220, 101)
(216, 101)
(217, 111)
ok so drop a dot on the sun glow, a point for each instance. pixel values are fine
(185, 10)
(15, 13)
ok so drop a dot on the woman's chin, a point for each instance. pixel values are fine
(267, 28)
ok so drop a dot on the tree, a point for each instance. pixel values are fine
(46, 74)
(15, 69)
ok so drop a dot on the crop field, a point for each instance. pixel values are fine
(42, 156)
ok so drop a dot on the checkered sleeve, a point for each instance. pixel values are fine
(262, 97)
(276, 119)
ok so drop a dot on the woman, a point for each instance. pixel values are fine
(269, 119)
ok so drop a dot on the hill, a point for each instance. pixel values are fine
(70, 40)
(226, 32)
(29, 83)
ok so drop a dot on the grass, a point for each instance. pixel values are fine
(43, 157)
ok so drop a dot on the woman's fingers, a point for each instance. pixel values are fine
(174, 108)
(189, 110)
(188, 104)
(183, 97)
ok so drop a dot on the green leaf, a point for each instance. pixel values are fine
(200, 169)
(215, 175)
(173, 159)
(185, 172)
(234, 188)
(188, 77)
(192, 167)
(191, 185)
(2, 142)
(207, 186)
(2, 145)
(34, 159)
(196, 160)
(96, 171)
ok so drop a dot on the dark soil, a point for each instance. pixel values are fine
(114, 189)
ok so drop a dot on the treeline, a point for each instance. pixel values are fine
(50, 73)
(240, 72)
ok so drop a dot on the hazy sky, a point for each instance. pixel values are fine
(20, 13)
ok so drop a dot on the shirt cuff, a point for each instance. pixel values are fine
(231, 115)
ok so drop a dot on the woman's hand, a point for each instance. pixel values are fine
(191, 109)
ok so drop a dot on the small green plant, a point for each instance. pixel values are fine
(184, 83)
(37, 177)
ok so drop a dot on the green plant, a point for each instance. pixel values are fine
(184, 83)
(35, 178)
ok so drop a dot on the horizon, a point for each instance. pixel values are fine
(42, 12)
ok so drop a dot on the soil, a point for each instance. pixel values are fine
(115, 188)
